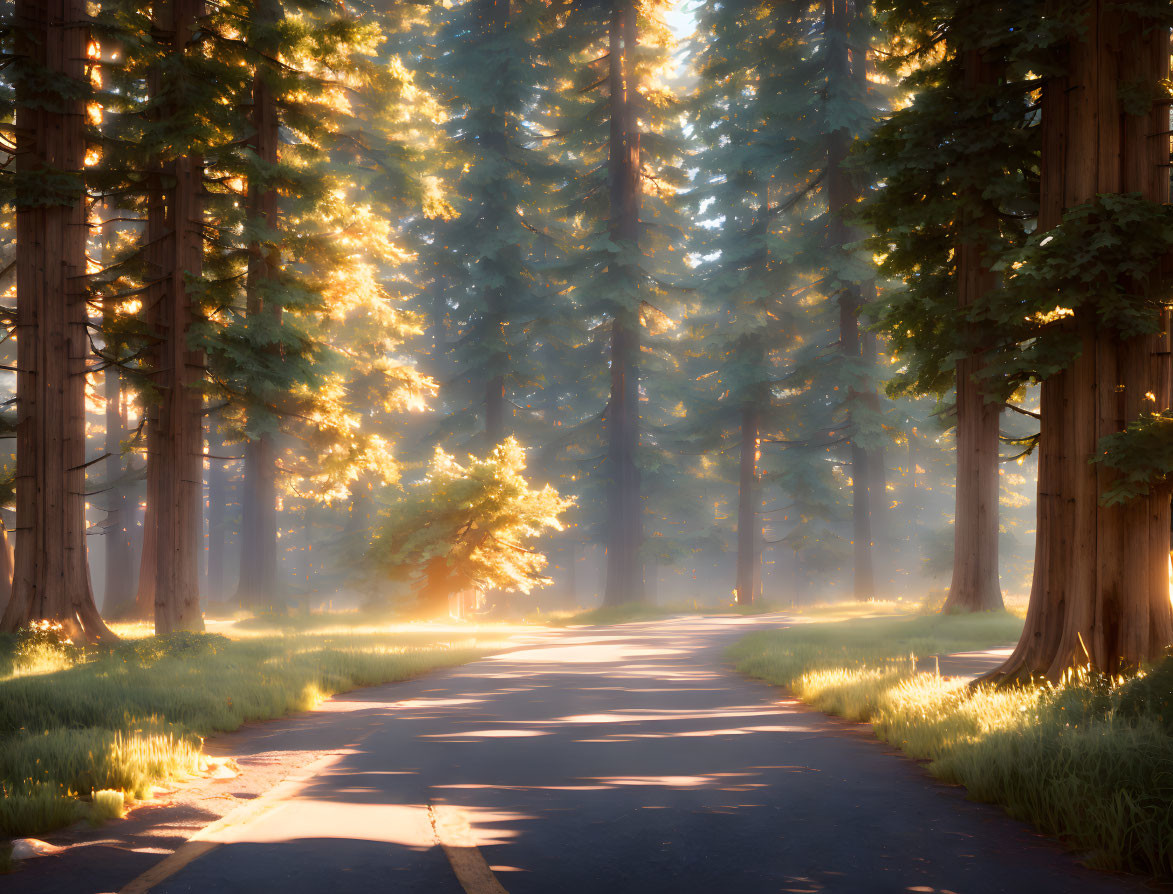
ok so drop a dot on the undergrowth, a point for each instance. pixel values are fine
(83, 733)
(1090, 760)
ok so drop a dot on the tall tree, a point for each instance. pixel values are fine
(845, 27)
(968, 132)
(51, 579)
(491, 76)
(258, 532)
(176, 243)
(625, 574)
(1100, 593)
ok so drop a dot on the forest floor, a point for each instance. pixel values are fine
(631, 758)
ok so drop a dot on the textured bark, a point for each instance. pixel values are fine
(749, 556)
(975, 586)
(842, 194)
(258, 558)
(6, 567)
(1100, 593)
(625, 572)
(178, 436)
(52, 576)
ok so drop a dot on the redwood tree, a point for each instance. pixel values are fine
(1096, 278)
(625, 571)
(52, 579)
(175, 440)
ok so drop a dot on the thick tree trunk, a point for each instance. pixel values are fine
(975, 586)
(258, 559)
(625, 572)
(749, 557)
(1100, 593)
(841, 196)
(179, 438)
(52, 575)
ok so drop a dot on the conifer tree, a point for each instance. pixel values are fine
(1093, 286)
(491, 77)
(48, 67)
(967, 134)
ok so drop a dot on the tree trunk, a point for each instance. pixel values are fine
(842, 194)
(975, 586)
(495, 16)
(625, 573)
(258, 560)
(749, 558)
(1100, 593)
(6, 567)
(217, 511)
(119, 589)
(179, 439)
(52, 575)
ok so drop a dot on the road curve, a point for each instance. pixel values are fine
(626, 759)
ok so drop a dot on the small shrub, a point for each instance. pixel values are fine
(107, 804)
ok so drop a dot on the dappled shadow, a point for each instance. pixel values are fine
(623, 760)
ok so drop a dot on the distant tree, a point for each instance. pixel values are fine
(968, 134)
(469, 526)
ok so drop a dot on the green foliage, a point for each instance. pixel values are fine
(1142, 454)
(470, 526)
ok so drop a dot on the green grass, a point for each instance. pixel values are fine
(1090, 760)
(127, 718)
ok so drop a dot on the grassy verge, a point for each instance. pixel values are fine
(1090, 761)
(84, 733)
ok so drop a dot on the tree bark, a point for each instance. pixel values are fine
(975, 586)
(52, 575)
(1100, 593)
(749, 557)
(841, 196)
(258, 559)
(178, 440)
(625, 572)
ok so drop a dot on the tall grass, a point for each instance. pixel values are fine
(125, 719)
(1090, 760)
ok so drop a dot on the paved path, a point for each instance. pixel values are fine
(627, 759)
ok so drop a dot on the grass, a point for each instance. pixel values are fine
(84, 733)
(1090, 760)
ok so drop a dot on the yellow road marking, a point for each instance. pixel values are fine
(454, 835)
(199, 844)
(187, 853)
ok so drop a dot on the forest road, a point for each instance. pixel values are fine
(621, 759)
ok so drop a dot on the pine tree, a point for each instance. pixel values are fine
(51, 578)
(492, 75)
(967, 134)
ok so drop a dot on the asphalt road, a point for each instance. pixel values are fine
(626, 759)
